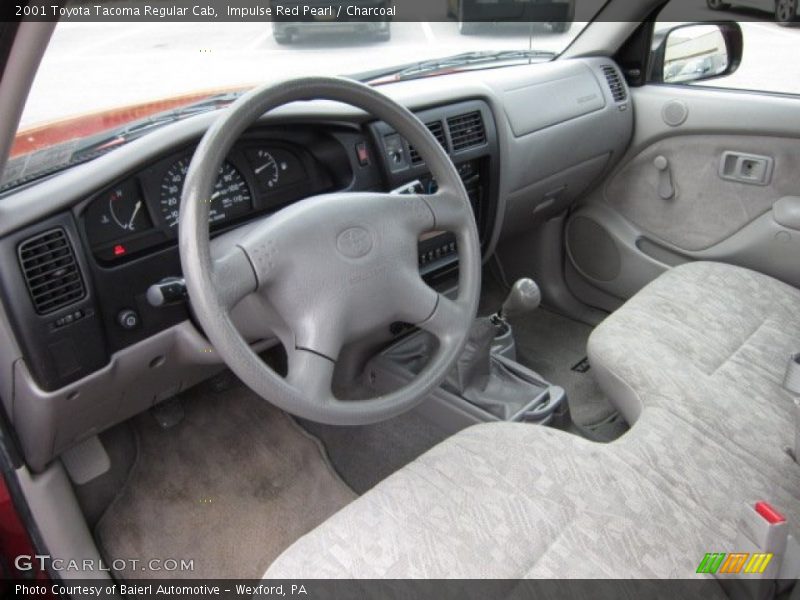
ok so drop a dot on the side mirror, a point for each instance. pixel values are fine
(696, 51)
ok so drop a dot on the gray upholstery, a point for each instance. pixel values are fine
(698, 356)
(708, 343)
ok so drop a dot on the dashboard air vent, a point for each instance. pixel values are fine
(51, 272)
(437, 130)
(615, 83)
(467, 131)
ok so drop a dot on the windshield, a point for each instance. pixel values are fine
(96, 78)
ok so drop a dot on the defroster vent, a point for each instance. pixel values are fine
(51, 271)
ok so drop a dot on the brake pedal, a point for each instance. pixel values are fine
(222, 382)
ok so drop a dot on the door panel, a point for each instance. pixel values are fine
(705, 207)
(699, 183)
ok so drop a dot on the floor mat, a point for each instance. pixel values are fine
(230, 487)
(555, 346)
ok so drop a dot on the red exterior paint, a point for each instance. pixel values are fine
(57, 132)
(14, 541)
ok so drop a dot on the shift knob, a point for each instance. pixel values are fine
(523, 297)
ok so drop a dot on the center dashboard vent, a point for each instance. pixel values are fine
(615, 83)
(467, 131)
(51, 272)
(437, 130)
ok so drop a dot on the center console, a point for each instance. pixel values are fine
(466, 131)
(486, 384)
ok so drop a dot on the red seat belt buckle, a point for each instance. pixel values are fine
(769, 514)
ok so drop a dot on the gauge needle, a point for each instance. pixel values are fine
(135, 212)
(262, 167)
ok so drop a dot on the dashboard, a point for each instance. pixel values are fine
(120, 242)
(81, 248)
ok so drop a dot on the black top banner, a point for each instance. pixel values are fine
(332, 11)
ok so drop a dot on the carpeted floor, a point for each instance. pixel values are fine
(230, 487)
(368, 454)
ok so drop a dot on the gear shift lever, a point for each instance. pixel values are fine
(487, 375)
(473, 367)
(523, 297)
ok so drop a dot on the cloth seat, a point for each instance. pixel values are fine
(709, 343)
(517, 501)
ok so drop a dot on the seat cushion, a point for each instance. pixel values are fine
(505, 501)
(700, 327)
(709, 343)
(695, 361)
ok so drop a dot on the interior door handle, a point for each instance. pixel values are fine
(666, 189)
(746, 168)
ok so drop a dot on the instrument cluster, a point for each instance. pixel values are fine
(143, 211)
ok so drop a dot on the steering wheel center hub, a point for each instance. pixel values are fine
(355, 242)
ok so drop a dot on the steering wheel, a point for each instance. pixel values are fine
(332, 268)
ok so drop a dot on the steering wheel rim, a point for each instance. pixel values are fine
(361, 251)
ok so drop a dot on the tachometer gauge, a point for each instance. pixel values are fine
(266, 168)
(230, 198)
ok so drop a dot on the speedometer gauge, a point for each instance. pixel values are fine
(230, 198)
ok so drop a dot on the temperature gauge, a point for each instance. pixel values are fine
(117, 213)
(128, 211)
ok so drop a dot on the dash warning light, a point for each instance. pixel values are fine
(119, 250)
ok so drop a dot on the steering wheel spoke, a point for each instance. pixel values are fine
(311, 374)
(446, 321)
(233, 277)
(410, 212)
(447, 206)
